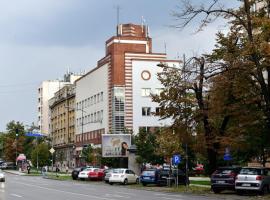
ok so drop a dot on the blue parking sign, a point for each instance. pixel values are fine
(176, 159)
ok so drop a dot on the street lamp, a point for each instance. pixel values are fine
(16, 146)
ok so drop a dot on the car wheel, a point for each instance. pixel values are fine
(264, 190)
(111, 183)
(216, 191)
(137, 181)
(125, 182)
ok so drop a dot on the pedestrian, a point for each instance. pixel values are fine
(28, 169)
(57, 171)
(66, 169)
(43, 172)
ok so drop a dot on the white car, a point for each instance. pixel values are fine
(2, 176)
(124, 176)
(84, 174)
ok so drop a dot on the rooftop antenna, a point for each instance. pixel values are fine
(118, 31)
(143, 22)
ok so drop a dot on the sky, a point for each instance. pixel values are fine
(42, 39)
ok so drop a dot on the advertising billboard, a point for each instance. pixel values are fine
(115, 145)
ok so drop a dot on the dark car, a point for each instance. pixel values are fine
(149, 176)
(224, 178)
(170, 177)
(76, 172)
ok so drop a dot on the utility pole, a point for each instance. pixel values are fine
(186, 123)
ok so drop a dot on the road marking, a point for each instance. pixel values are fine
(126, 193)
(15, 195)
(72, 193)
(116, 195)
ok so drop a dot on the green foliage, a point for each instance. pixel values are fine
(147, 148)
(41, 152)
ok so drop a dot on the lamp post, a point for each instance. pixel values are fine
(16, 146)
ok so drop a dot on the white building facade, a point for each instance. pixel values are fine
(46, 91)
(115, 97)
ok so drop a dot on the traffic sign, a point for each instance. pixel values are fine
(227, 156)
(176, 159)
(52, 150)
(29, 134)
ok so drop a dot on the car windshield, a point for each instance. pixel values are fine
(251, 171)
(118, 171)
(148, 173)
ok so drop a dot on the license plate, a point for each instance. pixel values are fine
(164, 177)
(246, 185)
(146, 178)
(220, 181)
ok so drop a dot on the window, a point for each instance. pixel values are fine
(101, 96)
(91, 100)
(146, 92)
(98, 116)
(157, 110)
(101, 115)
(92, 118)
(95, 117)
(98, 95)
(95, 99)
(146, 111)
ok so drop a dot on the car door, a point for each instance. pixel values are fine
(132, 176)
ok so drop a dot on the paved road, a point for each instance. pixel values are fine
(37, 188)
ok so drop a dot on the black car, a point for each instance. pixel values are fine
(76, 172)
(224, 178)
(170, 177)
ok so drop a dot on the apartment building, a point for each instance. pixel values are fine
(62, 125)
(114, 97)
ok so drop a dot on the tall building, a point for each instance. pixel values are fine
(62, 125)
(115, 96)
(45, 92)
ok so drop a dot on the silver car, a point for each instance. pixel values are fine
(253, 179)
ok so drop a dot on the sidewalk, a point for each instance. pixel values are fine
(15, 172)
(193, 178)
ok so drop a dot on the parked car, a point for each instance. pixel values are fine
(107, 175)
(2, 176)
(75, 172)
(149, 176)
(96, 174)
(165, 177)
(253, 179)
(124, 176)
(224, 178)
(3, 165)
(83, 175)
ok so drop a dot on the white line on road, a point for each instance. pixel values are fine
(117, 196)
(72, 193)
(15, 195)
(126, 193)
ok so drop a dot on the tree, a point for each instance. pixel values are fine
(13, 140)
(41, 152)
(244, 51)
(88, 154)
(147, 148)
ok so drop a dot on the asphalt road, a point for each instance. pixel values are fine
(37, 188)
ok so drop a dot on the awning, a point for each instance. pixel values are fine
(21, 157)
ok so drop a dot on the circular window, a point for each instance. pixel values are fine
(146, 75)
